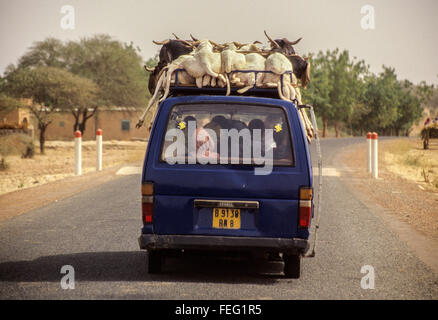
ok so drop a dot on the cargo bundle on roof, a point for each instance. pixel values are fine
(205, 67)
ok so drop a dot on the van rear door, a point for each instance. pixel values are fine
(241, 194)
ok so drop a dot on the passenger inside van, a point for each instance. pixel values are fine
(205, 145)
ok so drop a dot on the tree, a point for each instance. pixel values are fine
(409, 109)
(335, 87)
(8, 103)
(47, 53)
(116, 68)
(318, 90)
(382, 96)
(50, 89)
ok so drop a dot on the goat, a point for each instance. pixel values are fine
(248, 47)
(301, 68)
(231, 60)
(283, 44)
(310, 131)
(278, 64)
(247, 80)
(202, 62)
(170, 50)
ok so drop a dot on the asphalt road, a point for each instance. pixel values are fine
(96, 232)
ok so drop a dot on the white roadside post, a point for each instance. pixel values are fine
(78, 153)
(369, 152)
(99, 149)
(375, 151)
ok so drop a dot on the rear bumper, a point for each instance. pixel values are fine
(222, 243)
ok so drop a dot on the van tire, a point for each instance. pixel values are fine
(292, 266)
(155, 261)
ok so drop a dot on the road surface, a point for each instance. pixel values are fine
(96, 233)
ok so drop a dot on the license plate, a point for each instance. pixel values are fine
(224, 218)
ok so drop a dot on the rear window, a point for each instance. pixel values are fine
(227, 134)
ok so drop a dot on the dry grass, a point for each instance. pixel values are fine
(408, 159)
(58, 162)
(400, 189)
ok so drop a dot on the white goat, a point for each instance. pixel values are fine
(201, 62)
(250, 47)
(231, 60)
(278, 64)
(247, 80)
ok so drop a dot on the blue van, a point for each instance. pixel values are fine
(238, 201)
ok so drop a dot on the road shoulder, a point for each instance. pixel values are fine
(22, 201)
(401, 204)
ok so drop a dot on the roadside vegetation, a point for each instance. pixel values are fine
(408, 159)
(19, 144)
(351, 99)
(77, 77)
(58, 161)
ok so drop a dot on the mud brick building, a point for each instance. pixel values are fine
(117, 123)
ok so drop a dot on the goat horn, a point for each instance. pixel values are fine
(215, 44)
(272, 41)
(176, 37)
(292, 42)
(161, 43)
(185, 42)
(254, 47)
(193, 38)
(149, 69)
(238, 44)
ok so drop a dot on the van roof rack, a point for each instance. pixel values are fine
(177, 89)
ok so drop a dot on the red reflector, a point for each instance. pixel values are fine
(147, 212)
(305, 214)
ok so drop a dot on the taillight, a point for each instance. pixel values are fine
(147, 202)
(305, 207)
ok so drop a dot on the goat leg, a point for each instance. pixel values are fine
(151, 101)
(199, 82)
(207, 80)
(209, 71)
(280, 91)
(292, 91)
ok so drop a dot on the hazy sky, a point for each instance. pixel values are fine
(405, 34)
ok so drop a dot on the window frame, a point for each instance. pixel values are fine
(285, 113)
(128, 121)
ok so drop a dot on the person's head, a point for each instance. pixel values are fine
(189, 118)
(186, 127)
(238, 125)
(221, 121)
(256, 124)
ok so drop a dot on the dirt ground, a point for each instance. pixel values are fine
(58, 162)
(401, 187)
